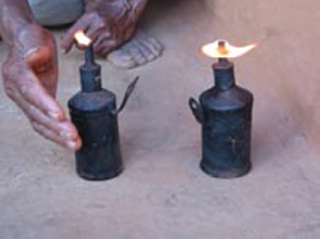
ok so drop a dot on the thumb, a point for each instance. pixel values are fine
(37, 57)
(42, 61)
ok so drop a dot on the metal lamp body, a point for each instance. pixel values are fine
(94, 113)
(97, 124)
(225, 112)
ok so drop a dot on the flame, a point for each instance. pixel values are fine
(222, 49)
(82, 39)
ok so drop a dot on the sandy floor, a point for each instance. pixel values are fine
(163, 194)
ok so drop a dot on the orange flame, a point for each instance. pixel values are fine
(82, 39)
(222, 49)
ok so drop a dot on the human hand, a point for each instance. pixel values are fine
(108, 23)
(30, 77)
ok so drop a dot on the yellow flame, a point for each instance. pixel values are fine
(82, 39)
(222, 49)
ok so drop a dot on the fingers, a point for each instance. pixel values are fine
(61, 128)
(104, 38)
(34, 93)
(28, 79)
(41, 109)
(93, 25)
(98, 44)
(61, 132)
(50, 135)
(98, 32)
(107, 46)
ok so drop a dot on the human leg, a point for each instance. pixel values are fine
(56, 12)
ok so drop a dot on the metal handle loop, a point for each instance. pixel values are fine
(196, 110)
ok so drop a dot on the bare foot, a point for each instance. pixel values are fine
(141, 50)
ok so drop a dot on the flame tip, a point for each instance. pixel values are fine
(222, 49)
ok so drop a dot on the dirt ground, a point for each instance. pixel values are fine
(163, 194)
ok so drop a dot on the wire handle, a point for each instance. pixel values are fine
(127, 95)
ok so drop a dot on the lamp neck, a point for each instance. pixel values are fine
(90, 73)
(224, 74)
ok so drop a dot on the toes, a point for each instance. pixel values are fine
(152, 43)
(121, 58)
(136, 53)
(154, 50)
(139, 51)
(146, 51)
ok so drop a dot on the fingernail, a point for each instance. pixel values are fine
(72, 145)
(54, 115)
(78, 144)
(66, 135)
(31, 51)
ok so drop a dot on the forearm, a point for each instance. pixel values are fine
(15, 15)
